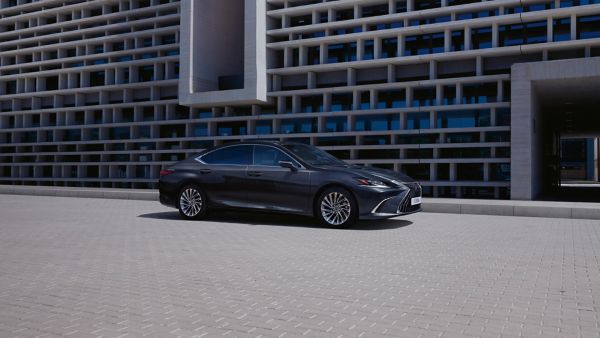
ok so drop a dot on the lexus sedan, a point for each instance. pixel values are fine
(292, 178)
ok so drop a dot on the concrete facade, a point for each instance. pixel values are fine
(422, 87)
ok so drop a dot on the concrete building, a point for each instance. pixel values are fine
(472, 98)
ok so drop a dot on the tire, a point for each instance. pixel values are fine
(336, 208)
(191, 202)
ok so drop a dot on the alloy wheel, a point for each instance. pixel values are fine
(191, 202)
(335, 208)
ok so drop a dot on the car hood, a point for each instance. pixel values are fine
(372, 173)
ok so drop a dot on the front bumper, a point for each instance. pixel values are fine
(392, 204)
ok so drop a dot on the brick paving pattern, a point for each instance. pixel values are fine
(93, 267)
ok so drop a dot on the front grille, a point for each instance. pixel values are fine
(415, 191)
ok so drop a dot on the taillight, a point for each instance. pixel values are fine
(166, 172)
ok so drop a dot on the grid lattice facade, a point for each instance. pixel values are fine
(89, 89)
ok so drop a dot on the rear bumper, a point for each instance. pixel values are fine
(166, 196)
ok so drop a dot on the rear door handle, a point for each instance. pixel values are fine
(255, 173)
(205, 171)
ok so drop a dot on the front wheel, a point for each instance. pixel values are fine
(336, 208)
(192, 202)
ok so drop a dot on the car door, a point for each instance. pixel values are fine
(223, 175)
(275, 187)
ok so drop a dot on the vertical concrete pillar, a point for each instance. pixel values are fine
(550, 29)
(495, 35)
(323, 53)
(351, 77)
(467, 38)
(391, 73)
(447, 40)
(401, 45)
(360, 49)
(432, 70)
(392, 6)
(573, 27)
(377, 48)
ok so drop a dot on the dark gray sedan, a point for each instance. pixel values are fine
(286, 177)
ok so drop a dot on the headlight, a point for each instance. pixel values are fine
(371, 183)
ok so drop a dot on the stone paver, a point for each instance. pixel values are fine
(99, 267)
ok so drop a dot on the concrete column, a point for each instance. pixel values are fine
(401, 46)
(355, 100)
(327, 102)
(303, 55)
(323, 53)
(432, 70)
(452, 172)
(312, 80)
(357, 11)
(479, 65)
(409, 96)
(377, 48)
(287, 57)
(550, 29)
(296, 104)
(447, 40)
(360, 49)
(467, 38)
(351, 77)
(432, 172)
(433, 119)
(373, 94)
(392, 6)
(573, 27)
(439, 94)
(597, 159)
(391, 73)
(410, 5)
(486, 171)
(495, 35)
(331, 15)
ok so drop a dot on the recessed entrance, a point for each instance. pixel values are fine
(555, 130)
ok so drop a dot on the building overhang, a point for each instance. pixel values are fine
(223, 53)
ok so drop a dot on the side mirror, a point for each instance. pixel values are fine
(288, 164)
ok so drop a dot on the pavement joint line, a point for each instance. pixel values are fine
(569, 210)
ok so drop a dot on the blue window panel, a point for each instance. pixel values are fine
(464, 16)
(588, 27)
(336, 124)
(264, 128)
(562, 30)
(464, 119)
(201, 130)
(417, 121)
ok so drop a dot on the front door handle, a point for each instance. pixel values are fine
(255, 173)
(205, 171)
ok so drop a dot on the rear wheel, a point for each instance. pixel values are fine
(192, 202)
(336, 208)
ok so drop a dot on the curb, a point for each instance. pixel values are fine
(570, 210)
(573, 210)
(125, 194)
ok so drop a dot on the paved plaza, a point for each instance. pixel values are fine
(99, 267)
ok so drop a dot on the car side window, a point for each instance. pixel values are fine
(234, 155)
(270, 156)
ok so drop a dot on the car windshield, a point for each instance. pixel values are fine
(312, 155)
